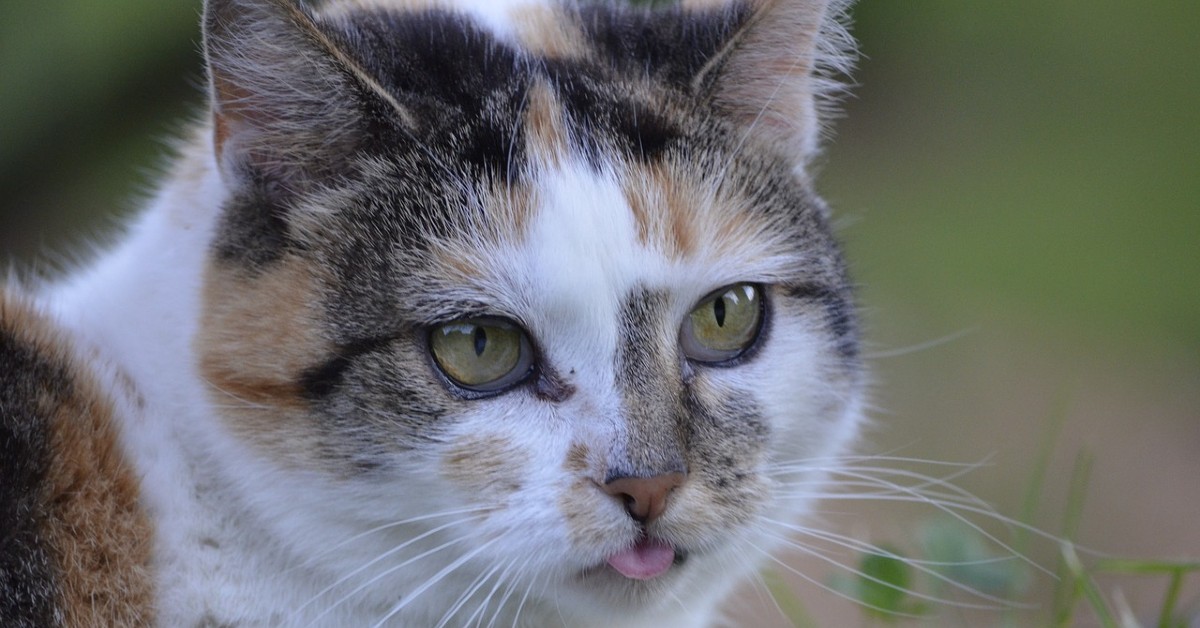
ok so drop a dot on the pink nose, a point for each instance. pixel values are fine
(645, 498)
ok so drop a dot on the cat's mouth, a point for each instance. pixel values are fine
(647, 559)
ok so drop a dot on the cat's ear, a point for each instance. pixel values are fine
(287, 102)
(773, 75)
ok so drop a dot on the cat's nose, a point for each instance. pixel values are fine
(645, 498)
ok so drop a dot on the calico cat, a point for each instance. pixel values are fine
(490, 314)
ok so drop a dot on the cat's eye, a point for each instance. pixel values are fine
(482, 354)
(724, 324)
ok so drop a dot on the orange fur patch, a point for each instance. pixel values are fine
(583, 500)
(99, 535)
(666, 208)
(545, 126)
(546, 31)
(577, 458)
(258, 333)
(488, 466)
(581, 504)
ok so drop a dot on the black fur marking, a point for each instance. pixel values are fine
(551, 387)
(252, 231)
(670, 45)
(647, 132)
(383, 402)
(839, 314)
(321, 380)
(463, 86)
(667, 48)
(27, 576)
(604, 121)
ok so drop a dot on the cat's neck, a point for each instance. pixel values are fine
(139, 301)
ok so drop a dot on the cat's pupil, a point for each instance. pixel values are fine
(719, 311)
(480, 340)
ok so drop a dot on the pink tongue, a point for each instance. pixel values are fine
(649, 558)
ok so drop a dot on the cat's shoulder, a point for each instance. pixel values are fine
(74, 539)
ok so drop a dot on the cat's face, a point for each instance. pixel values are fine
(553, 293)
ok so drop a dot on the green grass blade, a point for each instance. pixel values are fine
(1037, 479)
(1087, 584)
(1066, 596)
(1168, 610)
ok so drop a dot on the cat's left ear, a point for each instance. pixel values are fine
(773, 74)
(288, 104)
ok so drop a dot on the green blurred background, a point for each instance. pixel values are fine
(1017, 183)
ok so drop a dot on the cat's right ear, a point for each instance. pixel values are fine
(774, 74)
(287, 102)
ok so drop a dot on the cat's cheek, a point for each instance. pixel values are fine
(489, 467)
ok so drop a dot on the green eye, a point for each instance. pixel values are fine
(481, 354)
(723, 325)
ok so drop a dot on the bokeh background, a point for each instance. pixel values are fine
(1018, 187)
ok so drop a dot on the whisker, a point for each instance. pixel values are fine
(921, 346)
(848, 465)
(476, 617)
(951, 508)
(395, 524)
(445, 571)
(801, 464)
(243, 403)
(854, 544)
(764, 594)
(874, 476)
(472, 589)
(811, 551)
(386, 572)
(823, 494)
(958, 498)
(824, 586)
(922, 566)
(508, 591)
(521, 605)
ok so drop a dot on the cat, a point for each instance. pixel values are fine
(446, 314)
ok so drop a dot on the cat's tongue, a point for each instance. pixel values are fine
(649, 558)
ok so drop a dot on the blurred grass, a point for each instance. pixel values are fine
(88, 91)
(1040, 158)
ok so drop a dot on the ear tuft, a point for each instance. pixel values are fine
(776, 76)
(286, 100)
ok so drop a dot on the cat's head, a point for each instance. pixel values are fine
(551, 281)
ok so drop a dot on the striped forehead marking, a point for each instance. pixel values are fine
(584, 252)
(545, 126)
